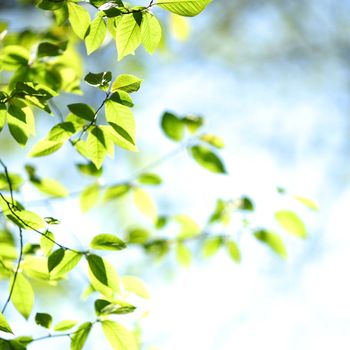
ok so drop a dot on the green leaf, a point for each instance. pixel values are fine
(51, 4)
(80, 336)
(14, 56)
(79, 19)
(193, 123)
(126, 82)
(90, 169)
(145, 203)
(95, 34)
(233, 251)
(100, 80)
(45, 147)
(188, 8)
(116, 191)
(135, 285)
(107, 242)
(138, 236)
(22, 296)
(3, 112)
(89, 197)
(63, 131)
(4, 326)
(291, 222)
(211, 246)
(50, 186)
(15, 180)
(112, 279)
(311, 204)
(119, 337)
(104, 307)
(188, 227)
(273, 241)
(82, 111)
(36, 267)
(173, 126)
(64, 325)
(97, 268)
(26, 219)
(213, 140)
(151, 32)
(183, 254)
(208, 159)
(150, 179)
(21, 123)
(128, 35)
(47, 242)
(43, 319)
(55, 258)
(68, 263)
(47, 49)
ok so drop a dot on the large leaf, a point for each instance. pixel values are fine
(23, 295)
(96, 34)
(128, 36)
(119, 337)
(80, 336)
(68, 262)
(79, 19)
(151, 32)
(188, 8)
(126, 82)
(45, 147)
(26, 219)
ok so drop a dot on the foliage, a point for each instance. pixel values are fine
(39, 67)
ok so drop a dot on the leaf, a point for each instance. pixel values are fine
(21, 123)
(47, 242)
(135, 285)
(51, 187)
(145, 203)
(90, 169)
(36, 267)
(43, 319)
(179, 27)
(55, 258)
(213, 140)
(107, 241)
(63, 131)
(273, 241)
(97, 268)
(15, 180)
(3, 112)
(183, 254)
(22, 296)
(188, 8)
(89, 197)
(188, 227)
(122, 97)
(82, 111)
(233, 251)
(79, 19)
(307, 202)
(208, 159)
(45, 147)
(128, 34)
(26, 219)
(104, 307)
(100, 80)
(80, 336)
(119, 337)
(4, 326)
(291, 222)
(150, 179)
(114, 192)
(151, 32)
(95, 34)
(173, 126)
(112, 279)
(68, 263)
(211, 246)
(64, 325)
(126, 82)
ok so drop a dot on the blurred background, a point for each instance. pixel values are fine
(271, 78)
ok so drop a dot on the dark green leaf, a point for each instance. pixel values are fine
(55, 259)
(173, 126)
(43, 319)
(97, 267)
(208, 159)
(100, 80)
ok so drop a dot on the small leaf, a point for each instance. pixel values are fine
(23, 295)
(273, 241)
(307, 202)
(80, 336)
(128, 34)
(145, 203)
(116, 191)
(100, 80)
(188, 227)
(4, 326)
(82, 111)
(43, 319)
(119, 337)
(207, 159)
(187, 8)
(45, 147)
(89, 197)
(107, 242)
(150, 179)
(183, 254)
(213, 140)
(211, 246)
(68, 263)
(173, 126)
(79, 19)
(97, 267)
(291, 222)
(55, 258)
(135, 285)
(126, 82)
(47, 242)
(64, 325)
(233, 251)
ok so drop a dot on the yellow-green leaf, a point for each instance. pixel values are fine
(151, 32)
(145, 203)
(291, 222)
(4, 326)
(95, 34)
(23, 295)
(79, 19)
(187, 8)
(119, 337)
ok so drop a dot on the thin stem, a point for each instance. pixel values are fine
(8, 180)
(17, 269)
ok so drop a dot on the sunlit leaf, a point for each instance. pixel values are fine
(291, 222)
(145, 203)
(173, 126)
(79, 19)
(273, 241)
(151, 32)
(95, 34)
(208, 159)
(188, 8)
(23, 295)
(80, 336)
(135, 285)
(126, 82)
(119, 337)
(4, 326)
(64, 325)
(107, 242)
